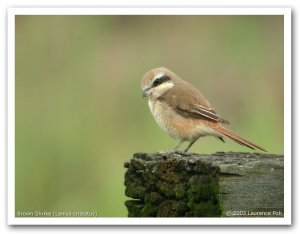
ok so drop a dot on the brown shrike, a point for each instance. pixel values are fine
(182, 111)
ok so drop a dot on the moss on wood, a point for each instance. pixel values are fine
(191, 185)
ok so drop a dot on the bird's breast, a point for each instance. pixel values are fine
(175, 125)
(162, 114)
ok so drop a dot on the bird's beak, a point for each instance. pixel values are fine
(145, 93)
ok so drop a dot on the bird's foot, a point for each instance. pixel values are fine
(173, 152)
(166, 152)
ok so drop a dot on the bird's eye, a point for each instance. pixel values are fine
(160, 80)
(156, 82)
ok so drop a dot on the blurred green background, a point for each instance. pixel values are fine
(80, 113)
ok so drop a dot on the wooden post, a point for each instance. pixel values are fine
(192, 185)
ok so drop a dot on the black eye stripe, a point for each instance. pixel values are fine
(161, 80)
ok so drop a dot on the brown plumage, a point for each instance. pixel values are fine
(233, 136)
(182, 111)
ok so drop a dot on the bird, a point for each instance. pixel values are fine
(183, 112)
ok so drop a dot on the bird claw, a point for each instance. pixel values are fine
(175, 151)
(164, 151)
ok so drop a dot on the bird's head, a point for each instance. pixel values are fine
(157, 81)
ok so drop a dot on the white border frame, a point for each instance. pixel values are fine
(12, 220)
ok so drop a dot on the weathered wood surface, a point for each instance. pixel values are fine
(193, 185)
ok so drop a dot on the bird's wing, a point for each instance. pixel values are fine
(189, 102)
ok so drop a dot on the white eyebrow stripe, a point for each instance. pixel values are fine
(159, 75)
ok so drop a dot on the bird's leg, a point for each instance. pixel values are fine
(172, 151)
(189, 146)
(180, 143)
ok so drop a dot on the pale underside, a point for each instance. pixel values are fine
(178, 126)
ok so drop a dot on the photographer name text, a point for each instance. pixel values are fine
(244, 213)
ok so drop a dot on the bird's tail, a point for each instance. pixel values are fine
(238, 139)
